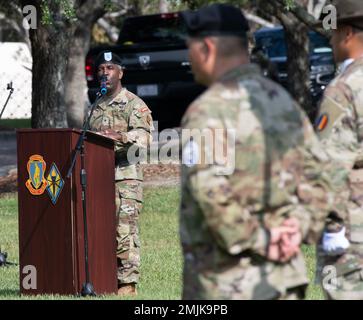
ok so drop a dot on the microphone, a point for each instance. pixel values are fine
(103, 85)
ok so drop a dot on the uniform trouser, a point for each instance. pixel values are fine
(348, 284)
(239, 281)
(128, 207)
(296, 293)
(341, 277)
(347, 287)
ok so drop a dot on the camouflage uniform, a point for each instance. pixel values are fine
(278, 174)
(127, 114)
(340, 128)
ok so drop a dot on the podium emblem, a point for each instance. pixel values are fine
(55, 183)
(36, 183)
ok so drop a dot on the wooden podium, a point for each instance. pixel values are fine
(51, 227)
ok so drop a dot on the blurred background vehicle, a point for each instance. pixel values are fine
(271, 42)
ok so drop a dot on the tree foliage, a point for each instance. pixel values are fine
(64, 30)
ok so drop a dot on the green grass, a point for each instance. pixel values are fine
(314, 291)
(161, 260)
(15, 123)
(9, 282)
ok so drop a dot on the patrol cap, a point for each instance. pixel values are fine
(349, 12)
(216, 20)
(107, 56)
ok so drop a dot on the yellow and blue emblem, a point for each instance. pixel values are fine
(55, 183)
(36, 183)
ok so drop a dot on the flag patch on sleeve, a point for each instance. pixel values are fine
(322, 122)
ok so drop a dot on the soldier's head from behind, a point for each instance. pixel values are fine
(347, 39)
(109, 66)
(217, 41)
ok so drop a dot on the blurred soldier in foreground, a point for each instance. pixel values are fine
(123, 116)
(241, 231)
(340, 127)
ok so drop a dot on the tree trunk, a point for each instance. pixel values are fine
(297, 42)
(299, 11)
(50, 46)
(298, 64)
(76, 97)
(59, 48)
(135, 8)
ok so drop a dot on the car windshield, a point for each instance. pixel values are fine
(274, 43)
(164, 28)
(319, 44)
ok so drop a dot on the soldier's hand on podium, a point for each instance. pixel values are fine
(115, 135)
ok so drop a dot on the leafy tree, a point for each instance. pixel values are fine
(58, 45)
(62, 38)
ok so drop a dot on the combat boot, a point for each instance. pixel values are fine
(127, 289)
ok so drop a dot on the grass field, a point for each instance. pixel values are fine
(161, 261)
(15, 123)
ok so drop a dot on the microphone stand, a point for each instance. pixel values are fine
(3, 262)
(87, 287)
(10, 87)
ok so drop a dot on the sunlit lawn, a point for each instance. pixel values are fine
(161, 261)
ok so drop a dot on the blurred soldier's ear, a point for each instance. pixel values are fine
(205, 48)
(209, 46)
(348, 32)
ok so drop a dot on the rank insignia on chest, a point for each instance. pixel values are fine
(322, 122)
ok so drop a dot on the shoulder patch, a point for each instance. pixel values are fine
(144, 109)
(322, 122)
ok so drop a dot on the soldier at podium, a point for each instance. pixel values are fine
(123, 116)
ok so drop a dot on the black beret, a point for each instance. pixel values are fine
(215, 20)
(107, 56)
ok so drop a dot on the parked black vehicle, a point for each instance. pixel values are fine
(322, 66)
(156, 64)
(157, 69)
